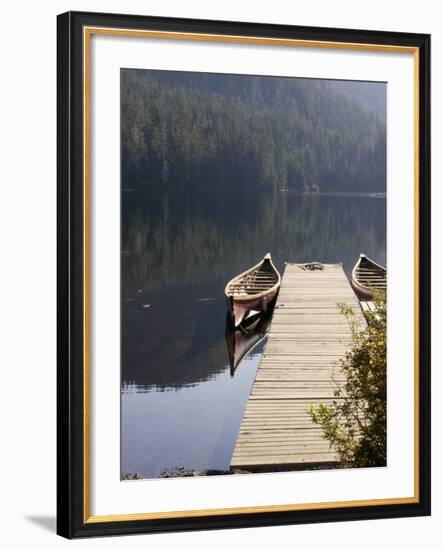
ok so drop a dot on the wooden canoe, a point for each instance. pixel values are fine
(253, 290)
(368, 276)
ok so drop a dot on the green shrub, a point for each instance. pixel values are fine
(355, 424)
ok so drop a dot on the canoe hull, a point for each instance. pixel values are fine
(254, 289)
(240, 309)
(362, 292)
(367, 277)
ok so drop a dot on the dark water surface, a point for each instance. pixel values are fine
(180, 406)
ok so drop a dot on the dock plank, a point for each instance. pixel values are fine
(299, 367)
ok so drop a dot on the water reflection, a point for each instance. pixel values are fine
(180, 250)
(243, 339)
(174, 240)
(180, 406)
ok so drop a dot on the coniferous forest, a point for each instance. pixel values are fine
(184, 131)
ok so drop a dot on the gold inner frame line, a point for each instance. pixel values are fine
(87, 34)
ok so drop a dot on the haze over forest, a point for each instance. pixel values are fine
(183, 131)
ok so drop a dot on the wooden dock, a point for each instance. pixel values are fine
(309, 334)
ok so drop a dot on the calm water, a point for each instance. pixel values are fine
(180, 405)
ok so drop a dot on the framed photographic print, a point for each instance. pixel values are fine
(239, 207)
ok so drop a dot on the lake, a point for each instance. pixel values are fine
(181, 408)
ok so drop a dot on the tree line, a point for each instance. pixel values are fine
(196, 131)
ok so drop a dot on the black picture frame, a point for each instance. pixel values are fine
(72, 520)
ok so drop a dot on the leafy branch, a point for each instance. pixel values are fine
(355, 423)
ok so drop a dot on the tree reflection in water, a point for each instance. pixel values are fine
(180, 249)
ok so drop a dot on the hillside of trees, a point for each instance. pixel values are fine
(370, 95)
(185, 131)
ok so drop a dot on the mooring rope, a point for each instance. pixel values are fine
(311, 266)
